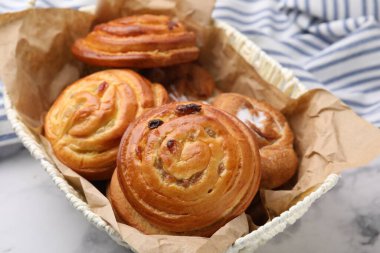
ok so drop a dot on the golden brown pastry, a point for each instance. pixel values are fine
(141, 41)
(86, 122)
(185, 168)
(185, 82)
(278, 158)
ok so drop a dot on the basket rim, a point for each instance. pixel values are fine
(251, 241)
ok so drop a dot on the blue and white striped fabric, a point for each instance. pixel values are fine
(7, 136)
(327, 43)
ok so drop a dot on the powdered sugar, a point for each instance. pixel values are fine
(256, 118)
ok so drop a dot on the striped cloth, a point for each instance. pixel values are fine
(326, 43)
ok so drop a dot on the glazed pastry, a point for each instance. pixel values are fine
(278, 158)
(86, 122)
(123, 208)
(185, 168)
(141, 41)
(185, 82)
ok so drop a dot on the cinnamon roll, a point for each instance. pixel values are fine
(278, 159)
(185, 82)
(140, 41)
(184, 168)
(86, 122)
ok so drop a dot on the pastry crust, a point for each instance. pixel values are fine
(140, 41)
(278, 158)
(185, 82)
(86, 122)
(185, 168)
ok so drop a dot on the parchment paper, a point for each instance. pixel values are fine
(37, 64)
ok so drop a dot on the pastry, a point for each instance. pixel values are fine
(185, 168)
(278, 159)
(123, 208)
(140, 41)
(86, 122)
(185, 82)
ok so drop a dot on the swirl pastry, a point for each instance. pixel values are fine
(141, 41)
(185, 81)
(278, 159)
(184, 168)
(86, 122)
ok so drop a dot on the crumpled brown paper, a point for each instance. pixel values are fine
(37, 64)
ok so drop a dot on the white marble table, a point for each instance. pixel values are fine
(36, 217)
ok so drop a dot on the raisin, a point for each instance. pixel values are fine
(154, 123)
(172, 24)
(196, 177)
(221, 168)
(187, 109)
(164, 175)
(102, 86)
(158, 163)
(171, 145)
(189, 181)
(184, 182)
(210, 132)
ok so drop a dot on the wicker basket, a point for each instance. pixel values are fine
(270, 71)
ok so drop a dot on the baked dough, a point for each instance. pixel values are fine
(185, 168)
(140, 41)
(278, 158)
(86, 122)
(184, 82)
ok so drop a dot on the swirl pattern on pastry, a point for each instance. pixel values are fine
(140, 41)
(278, 158)
(86, 122)
(185, 82)
(186, 168)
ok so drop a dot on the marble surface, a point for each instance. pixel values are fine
(36, 217)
